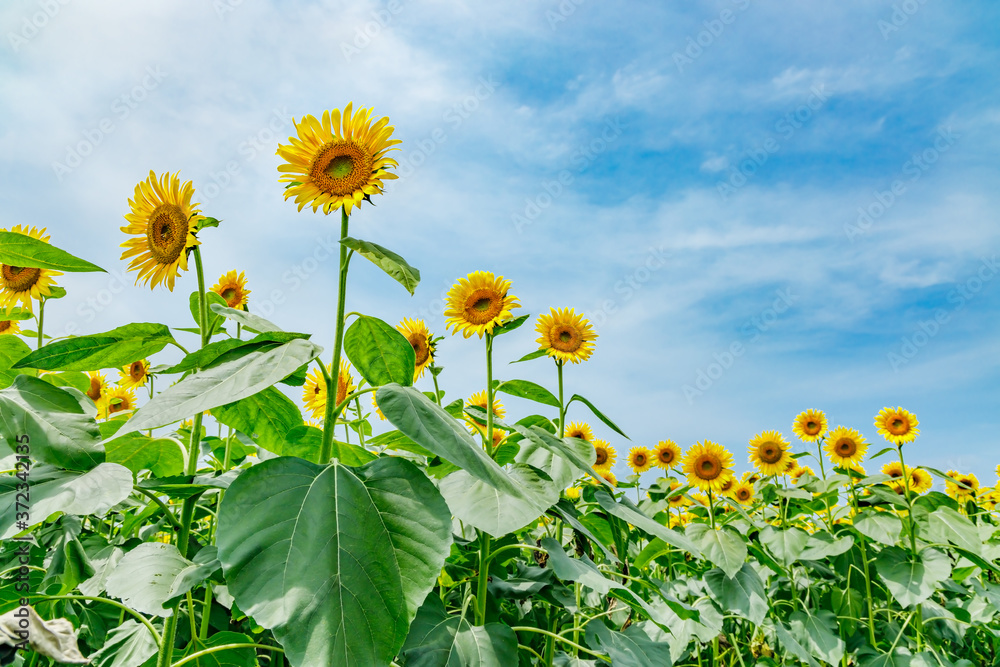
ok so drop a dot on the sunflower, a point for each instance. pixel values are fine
(920, 480)
(479, 400)
(9, 327)
(164, 222)
(700, 498)
(845, 446)
(233, 288)
(98, 389)
(810, 425)
(708, 465)
(134, 375)
(640, 459)
(478, 303)
(119, 399)
(314, 390)
(678, 500)
(579, 430)
(743, 493)
(565, 335)
(798, 471)
(751, 477)
(606, 455)
(769, 453)
(20, 284)
(961, 487)
(339, 160)
(607, 476)
(420, 338)
(896, 471)
(666, 454)
(727, 487)
(573, 492)
(898, 426)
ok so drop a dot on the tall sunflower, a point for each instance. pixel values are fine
(420, 339)
(579, 430)
(20, 284)
(897, 425)
(845, 447)
(565, 335)
(119, 399)
(9, 327)
(606, 455)
(164, 223)
(640, 459)
(478, 303)
(338, 160)
(743, 493)
(98, 390)
(134, 375)
(810, 425)
(666, 454)
(314, 389)
(769, 453)
(707, 465)
(233, 288)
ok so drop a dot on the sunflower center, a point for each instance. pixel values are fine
(812, 428)
(119, 406)
(94, 392)
(769, 452)
(898, 426)
(19, 278)
(846, 447)
(341, 389)
(136, 370)
(5, 325)
(743, 494)
(420, 349)
(602, 456)
(639, 459)
(707, 467)
(166, 233)
(728, 484)
(341, 167)
(482, 306)
(566, 339)
(666, 456)
(230, 295)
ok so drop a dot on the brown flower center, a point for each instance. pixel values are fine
(743, 494)
(137, 370)
(19, 278)
(769, 452)
(845, 447)
(602, 456)
(232, 296)
(707, 467)
(565, 338)
(120, 406)
(483, 306)
(639, 459)
(728, 484)
(94, 392)
(811, 427)
(166, 233)
(5, 326)
(420, 349)
(341, 167)
(899, 426)
(666, 456)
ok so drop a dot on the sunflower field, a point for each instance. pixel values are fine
(256, 499)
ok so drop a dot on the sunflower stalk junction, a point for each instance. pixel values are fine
(333, 377)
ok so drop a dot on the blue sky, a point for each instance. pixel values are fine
(812, 185)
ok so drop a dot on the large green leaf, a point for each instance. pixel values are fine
(946, 525)
(111, 349)
(742, 594)
(631, 648)
(912, 579)
(626, 511)
(229, 349)
(128, 645)
(153, 573)
(22, 250)
(489, 509)
(597, 413)
(439, 640)
(785, 544)
(562, 460)
(164, 457)
(334, 560)
(380, 353)
(528, 390)
(882, 527)
(224, 383)
(813, 630)
(824, 545)
(267, 417)
(792, 645)
(387, 260)
(214, 319)
(54, 490)
(12, 349)
(723, 548)
(248, 320)
(59, 424)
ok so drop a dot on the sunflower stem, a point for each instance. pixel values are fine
(484, 572)
(41, 320)
(489, 395)
(562, 404)
(437, 392)
(333, 378)
(918, 624)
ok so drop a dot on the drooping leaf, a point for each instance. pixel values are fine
(225, 383)
(824, 545)
(724, 548)
(54, 639)
(629, 648)
(743, 594)
(57, 425)
(334, 560)
(112, 349)
(600, 415)
(213, 320)
(128, 645)
(785, 544)
(882, 527)
(626, 511)
(792, 645)
(151, 574)
(815, 631)
(912, 579)
(22, 250)
(385, 259)
(946, 525)
(555, 457)
(531, 355)
(493, 511)
(439, 640)
(251, 322)
(229, 349)
(381, 354)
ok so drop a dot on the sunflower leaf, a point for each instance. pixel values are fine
(250, 322)
(206, 222)
(22, 250)
(380, 353)
(56, 292)
(113, 349)
(531, 355)
(15, 314)
(510, 325)
(530, 391)
(214, 319)
(387, 260)
(600, 415)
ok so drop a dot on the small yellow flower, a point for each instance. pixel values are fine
(98, 390)
(897, 425)
(743, 493)
(573, 492)
(810, 425)
(21, 284)
(565, 335)
(640, 459)
(579, 430)
(606, 455)
(419, 337)
(845, 447)
(134, 375)
(769, 453)
(667, 454)
(314, 389)
(479, 303)
(119, 399)
(708, 465)
(233, 288)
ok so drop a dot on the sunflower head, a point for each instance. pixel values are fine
(378, 410)
(810, 425)
(479, 303)
(134, 375)
(640, 459)
(608, 477)
(962, 486)
(679, 499)
(897, 425)
(743, 493)
(798, 471)
(338, 160)
(708, 465)
(606, 455)
(728, 486)
(579, 430)
(314, 390)
(119, 399)
(565, 335)
(9, 327)
(423, 344)
(21, 284)
(920, 480)
(233, 288)
(98, 390)
(573, 492)
(667, 454)
(480, 400)
(769, 453)
(845, 446)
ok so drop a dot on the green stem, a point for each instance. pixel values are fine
(918, 625)
(163, 506)
(437, 392)
(562, 405)
(206, 610)
(194, 625)
(868, 579)
(225, 647)
(489, 395)
(137, 615)
(41, 319)
(484, 573)
(711, 509)
(333, 378)
(524, 628)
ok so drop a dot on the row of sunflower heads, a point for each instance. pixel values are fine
(21, 287)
